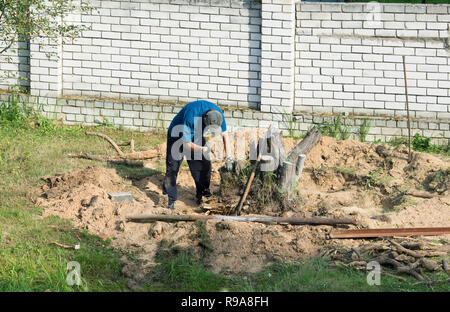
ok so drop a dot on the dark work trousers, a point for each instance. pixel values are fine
(200, 171)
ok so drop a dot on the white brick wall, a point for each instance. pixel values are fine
(275, 56)
(365, 67)
(15, 66)
(188, 49)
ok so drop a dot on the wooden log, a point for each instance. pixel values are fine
(407, 251)
(290, 173)
(400, 268)
(430, 265)
(299, 165)
(445, 266)
(288, 177)
(260, 219)
(310, 140)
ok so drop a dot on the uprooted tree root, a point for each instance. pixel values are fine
(438, 181)
(403, 256)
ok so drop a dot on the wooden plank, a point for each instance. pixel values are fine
(390, 232)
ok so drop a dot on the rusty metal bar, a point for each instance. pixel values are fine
(390, 232)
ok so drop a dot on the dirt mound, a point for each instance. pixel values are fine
(82, 196)
(259, 245)
(340, 179)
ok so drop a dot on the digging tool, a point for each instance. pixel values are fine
(407, 112)
(238, 208)
(261, 219)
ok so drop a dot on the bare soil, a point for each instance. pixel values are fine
(370, 183)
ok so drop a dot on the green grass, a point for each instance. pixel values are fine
(32, 147)
(335, 128)
(183, 273)
(364, 130)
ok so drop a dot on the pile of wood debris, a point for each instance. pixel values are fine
(402, 256)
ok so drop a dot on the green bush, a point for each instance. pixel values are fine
(14, 112)
(423, 144)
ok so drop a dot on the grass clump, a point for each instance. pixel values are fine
(364, 130)
(421, 144)
(375, 178)
(14, 112)
(335, 129)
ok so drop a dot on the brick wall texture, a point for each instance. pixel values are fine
(279, 62)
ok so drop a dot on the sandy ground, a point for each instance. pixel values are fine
(334, 184)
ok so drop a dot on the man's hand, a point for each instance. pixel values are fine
(206, 149)
(229, 164)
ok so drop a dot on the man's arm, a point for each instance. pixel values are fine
(194, 147)
(226, 144)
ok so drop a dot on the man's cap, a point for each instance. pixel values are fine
(213, 117)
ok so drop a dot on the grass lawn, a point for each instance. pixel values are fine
(32, 147)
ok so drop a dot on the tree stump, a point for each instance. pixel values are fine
(287, 167)
(291, 169)
(274, 186)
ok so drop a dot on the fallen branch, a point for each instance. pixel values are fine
(394, 276)
(422, 194)
(149, 154)
(393, 254)
(74, 231)
(297, 221)
(112, 160)
(400, 248)
(107, 138)
(408, 269)
(420, 253)
(66, 246)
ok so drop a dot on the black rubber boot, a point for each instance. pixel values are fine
(207, 193)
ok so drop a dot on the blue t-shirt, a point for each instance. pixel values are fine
(189, 121)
